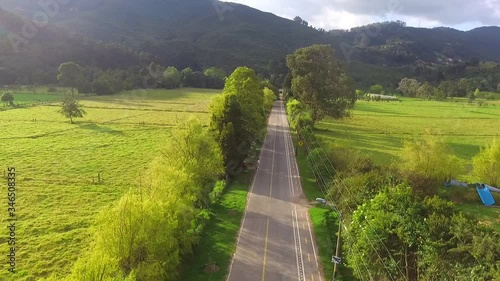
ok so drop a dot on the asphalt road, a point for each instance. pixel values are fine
(276, 242)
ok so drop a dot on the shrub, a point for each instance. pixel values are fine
(486, 165)
(427, 163)
(52, 89)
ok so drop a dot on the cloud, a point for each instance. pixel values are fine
(350, 13)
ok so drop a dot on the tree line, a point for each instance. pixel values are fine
(154, 227)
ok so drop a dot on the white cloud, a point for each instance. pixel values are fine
(349, 13)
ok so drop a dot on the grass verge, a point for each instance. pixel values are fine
(219, 242)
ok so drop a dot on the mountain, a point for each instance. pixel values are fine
(204, 33)
(36, 57)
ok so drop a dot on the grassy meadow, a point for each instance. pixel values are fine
(58, 163)
(379, 129)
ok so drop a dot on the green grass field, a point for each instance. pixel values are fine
(379, 129)
(57, 165)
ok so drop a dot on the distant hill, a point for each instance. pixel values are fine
(37, 58)
(203, 33)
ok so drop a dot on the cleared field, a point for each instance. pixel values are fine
(58, 163)
(379, 128)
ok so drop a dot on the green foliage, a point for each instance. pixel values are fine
(269, 98)
(187, 77)
(150, 230)
(320, 82)
(244, 84)
(426, 91)
(7, 97)
(449, 88)
(172, 78)
(486, 165)
(215, 78)
(70, 75)
(409, 87)
(428, 163)
(376, 89)
(85, 88)
(70, 108)
(102, 87)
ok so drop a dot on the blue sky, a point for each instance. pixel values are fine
(330, 14)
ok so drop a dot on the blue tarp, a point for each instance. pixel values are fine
(486, 196)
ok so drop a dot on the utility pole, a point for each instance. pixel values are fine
(337, 258)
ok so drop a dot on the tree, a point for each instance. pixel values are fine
(400, 236)
(376, 89)
(427, 163)
(298, 19)
(244, 84)
(199, 80)
(320, 82)
(228, 127)
(486, 165)
(7, 98)
(215, 77)
(408, 87)
(269, 98)
(449, 88)
(70, 75)
(172, 78)
(71, 109)
(187, 77)
(426, 91)
(498, 88)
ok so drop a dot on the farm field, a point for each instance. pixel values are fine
(57, 165)
(379, 129)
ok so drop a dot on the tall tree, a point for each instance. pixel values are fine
(172, 78)
(426, 91)
(320, 82)
(187, 77)
(408, 87)
(70, 75)
(244, 84)
(376, 89)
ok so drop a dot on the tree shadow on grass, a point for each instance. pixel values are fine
(100, 129)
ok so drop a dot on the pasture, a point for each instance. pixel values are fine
(379, 129)
(57, 163)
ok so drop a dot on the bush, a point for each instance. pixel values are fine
(428, 163)
(52, 89)
(486, 165)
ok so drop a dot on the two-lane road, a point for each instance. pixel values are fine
(276, 241)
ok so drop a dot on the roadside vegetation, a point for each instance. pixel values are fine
(400, 225)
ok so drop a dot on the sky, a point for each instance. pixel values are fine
(344, 14)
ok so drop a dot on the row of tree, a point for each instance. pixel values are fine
(92, 80)
(149, 232)
(410, 87)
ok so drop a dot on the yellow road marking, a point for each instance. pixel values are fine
(308, 257)
(306, 239)
(265, 250)
(312, 277)
(304, 225)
